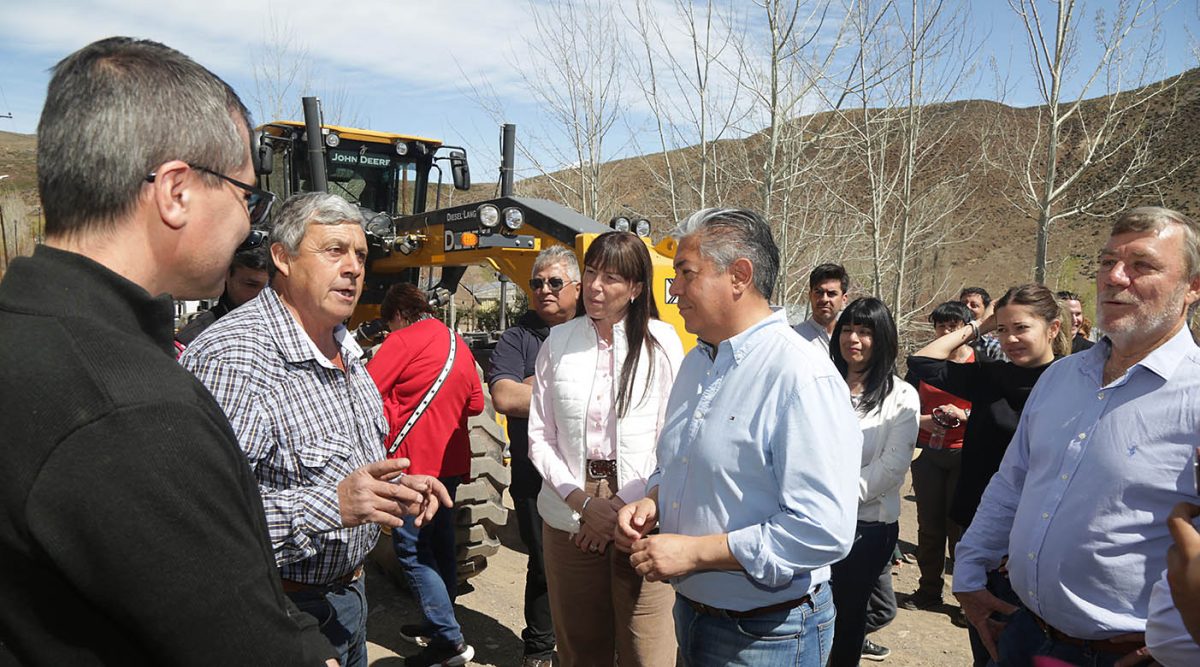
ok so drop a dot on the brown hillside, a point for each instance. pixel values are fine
(995, 246)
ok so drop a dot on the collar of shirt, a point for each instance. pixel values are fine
(294, 342)
(1163, 361)
(743, 343)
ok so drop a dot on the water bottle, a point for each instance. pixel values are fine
(937, 438)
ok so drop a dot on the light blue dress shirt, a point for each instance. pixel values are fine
(1081, 499)
(760, 442)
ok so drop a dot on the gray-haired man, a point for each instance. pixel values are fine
(756, 489)
(310, 419)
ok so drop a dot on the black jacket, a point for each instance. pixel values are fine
(997, 391)
(131, 528)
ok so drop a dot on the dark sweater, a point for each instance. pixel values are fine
(131, 529)
(997, 391)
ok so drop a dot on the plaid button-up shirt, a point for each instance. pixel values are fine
(304, 425)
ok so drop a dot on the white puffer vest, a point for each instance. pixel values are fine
(574, 348)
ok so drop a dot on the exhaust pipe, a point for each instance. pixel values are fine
(316, 145)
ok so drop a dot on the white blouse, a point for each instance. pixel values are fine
(889, 436)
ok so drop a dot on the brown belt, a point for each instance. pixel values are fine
(1099, 645)
(290, 586)
(706, 610)
(601, 469)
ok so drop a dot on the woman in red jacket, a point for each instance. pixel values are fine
(427, 377)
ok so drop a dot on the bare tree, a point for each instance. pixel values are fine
(906, 185)
(688, 69)
(1073, 139)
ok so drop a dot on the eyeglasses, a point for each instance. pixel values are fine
(258, 201)
(555, 283)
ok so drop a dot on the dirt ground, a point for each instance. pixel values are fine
(491, 613)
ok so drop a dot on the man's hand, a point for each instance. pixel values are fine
(634, 521)
(659, 557)
(978, 606)
(434, 495)
(1140, 657)
(367, 495)
(1183, 566)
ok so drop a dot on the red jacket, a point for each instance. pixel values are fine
(404, 368)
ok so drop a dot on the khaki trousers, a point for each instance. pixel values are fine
(601, 607)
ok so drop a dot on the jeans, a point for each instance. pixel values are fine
(853, 579)
(538, 634)
(934, 477)
(341, 612)
(427, 556)
(798, 637)
(1023, 639)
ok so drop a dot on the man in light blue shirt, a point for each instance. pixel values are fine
(1103, 451)
(756, 492)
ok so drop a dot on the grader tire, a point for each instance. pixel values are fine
(479, 500)
(479, 506)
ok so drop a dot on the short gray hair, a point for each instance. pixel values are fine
(728, 234)
(117, 109)
(558, 254)
(1154, 219)
(299, 211)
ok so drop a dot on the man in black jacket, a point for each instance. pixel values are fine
(131, 528)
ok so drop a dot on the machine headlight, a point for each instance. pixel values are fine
(332, 140)
(489, 215)
(642, 227)
(514, 218)
(619, 223)
(401, 148)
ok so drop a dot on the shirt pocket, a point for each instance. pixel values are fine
(325, 458)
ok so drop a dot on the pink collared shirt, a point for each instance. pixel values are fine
(601, 431)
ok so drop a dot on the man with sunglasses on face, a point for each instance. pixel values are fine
(555, 288)
(131, 528)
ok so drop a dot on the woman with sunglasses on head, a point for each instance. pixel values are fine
(864, 348)
(600, 388)
(1028, 321)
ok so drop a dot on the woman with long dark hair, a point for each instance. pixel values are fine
(600, 389)
(1028, 321)
(864, 348)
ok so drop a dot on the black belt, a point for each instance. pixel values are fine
(601, 469)
(706, 610)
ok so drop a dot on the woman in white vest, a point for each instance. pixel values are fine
(864, 347)
(599, 393)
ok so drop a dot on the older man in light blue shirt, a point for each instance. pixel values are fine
(757, 488)
(1102, 453)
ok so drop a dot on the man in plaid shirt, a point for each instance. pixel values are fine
(308, 416)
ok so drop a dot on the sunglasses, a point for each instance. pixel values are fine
(555, 283)
(258, 201)
(254, 239)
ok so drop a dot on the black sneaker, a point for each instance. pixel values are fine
(919, 601)
(447, 655)
(416, 633)
(873, 651)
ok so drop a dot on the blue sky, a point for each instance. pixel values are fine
(414, 67)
